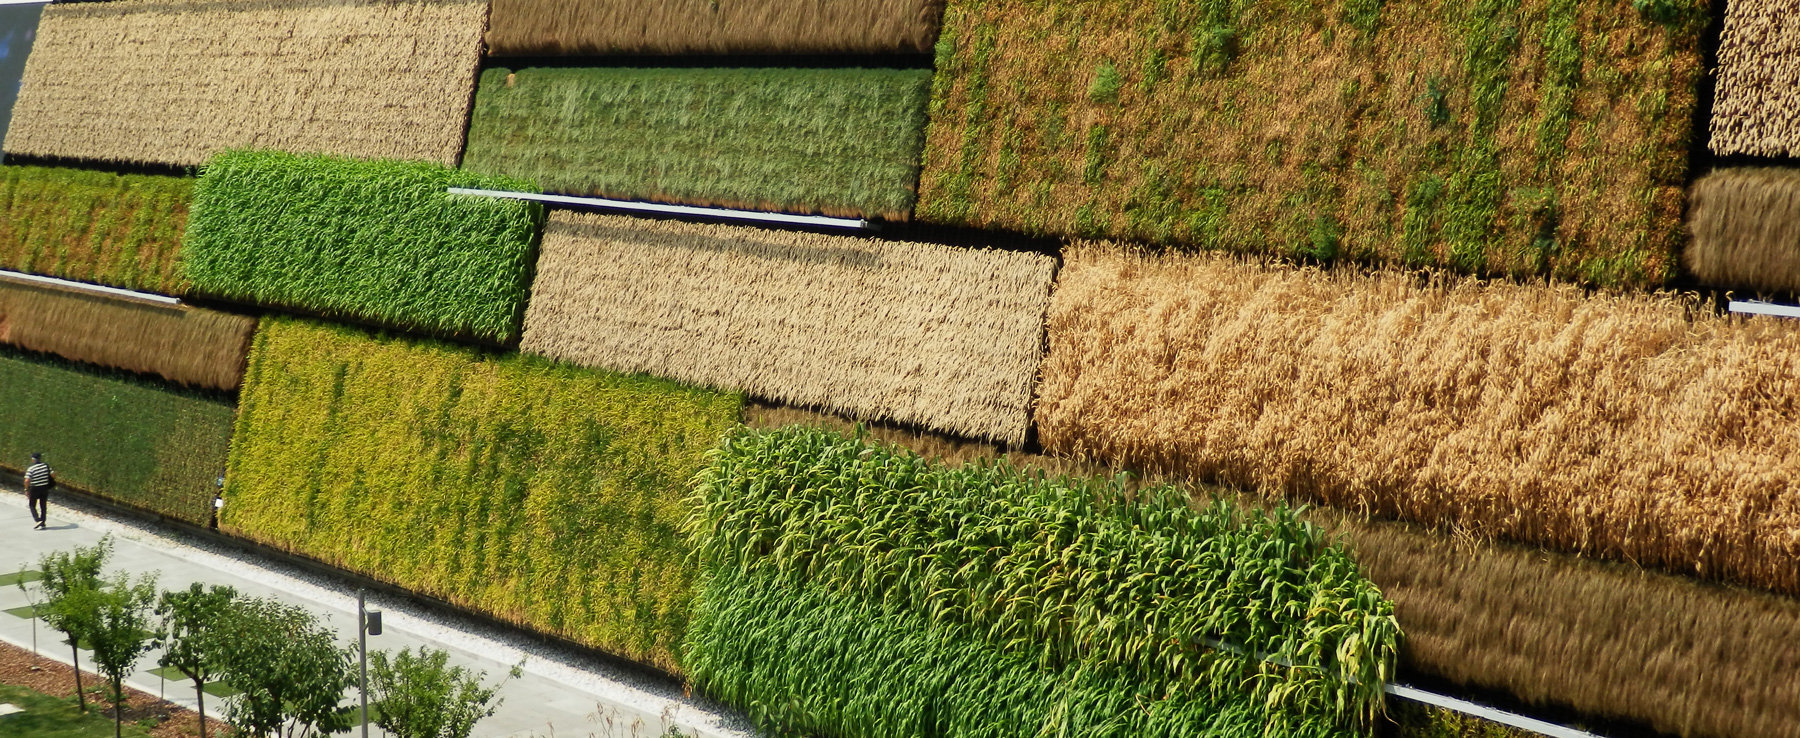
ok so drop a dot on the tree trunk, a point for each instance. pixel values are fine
(118, 709)
(200, 696)
(80, 700)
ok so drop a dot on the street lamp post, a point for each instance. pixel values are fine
(368, 623)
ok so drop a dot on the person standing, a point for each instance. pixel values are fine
(38, 481)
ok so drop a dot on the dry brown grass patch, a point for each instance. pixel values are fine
(1757, 108)
(590, 27)
(174, 81)
(1746, 229)
(199, 348)
(1627, 427)
(922, 334)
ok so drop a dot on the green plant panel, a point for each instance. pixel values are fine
(547, 495)
(1158, 601)
(378, 241)
(122, 230)
(836, 141)
(129, 440)
(1495, 137)
(14, 578)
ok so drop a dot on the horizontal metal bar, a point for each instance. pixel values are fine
(659, 208)
(1486, 713)
(1752, 307)
(24, 2)
(93, 288)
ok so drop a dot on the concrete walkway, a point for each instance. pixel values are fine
(560, 695)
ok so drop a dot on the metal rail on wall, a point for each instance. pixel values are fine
(814, 221)
(1485, 713)
(89, 288)
(1753, 307)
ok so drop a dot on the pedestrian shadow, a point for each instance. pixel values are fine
(64, 526)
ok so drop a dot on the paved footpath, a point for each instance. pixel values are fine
(559, 695)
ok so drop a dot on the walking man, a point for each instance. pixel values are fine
(38, 481)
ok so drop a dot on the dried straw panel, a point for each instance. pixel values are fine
(173, 82)
(1688, 658)
(1746, 229)
(1757, 108)
(917, 333)
(199, 348)
(1626, 427)
(1684, 657)
(593, 27)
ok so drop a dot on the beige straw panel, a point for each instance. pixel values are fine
(1757, 105)
(174, 81)
(940, 337)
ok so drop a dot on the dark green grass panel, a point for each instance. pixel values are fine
(838, 141)
(13, 578)
(547, 495)
(216, 689)
(377, 241)
(125, 439)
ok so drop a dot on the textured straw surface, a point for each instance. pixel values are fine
(1687, 658)
(590, 27)
(1620, 427)
(1746, 228)
(200, 348)
(931, 335)
(1552, 629)
(173, 81)
(1757, 110)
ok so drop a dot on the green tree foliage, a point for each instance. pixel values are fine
(289, 671)
(121, 633)
(548, 495)
(131, 440)
(1065, 574)
(838, 141)
(379, 241)
(122, 230)
(422, 696)
(189, 641)
(70, 579)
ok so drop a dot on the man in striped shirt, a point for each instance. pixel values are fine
(38, 481)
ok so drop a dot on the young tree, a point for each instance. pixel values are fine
(189, 637)
(69, 577)
(289, 671)
(423, 697)
(120, 634)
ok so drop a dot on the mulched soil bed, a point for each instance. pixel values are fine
(19, 667)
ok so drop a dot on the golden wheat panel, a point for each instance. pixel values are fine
(1746, 229)
(1757, 106)
(1688, 658)
(589, 27)
(174, 81)
(922, 334)
(1637, 427)
(200, 348)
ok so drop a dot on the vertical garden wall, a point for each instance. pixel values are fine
(122, 230)
(187, 346)
(1504, 136)
(835, 141)
(545, 495)
(129, 440)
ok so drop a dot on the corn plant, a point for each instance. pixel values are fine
(1062, 572)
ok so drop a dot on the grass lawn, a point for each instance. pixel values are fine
(51, 717)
